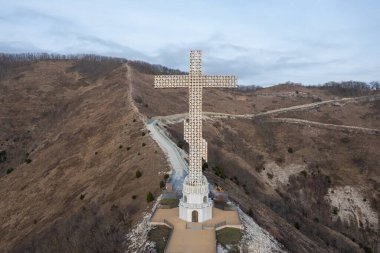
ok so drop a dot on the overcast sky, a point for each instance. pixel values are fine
(261, 41)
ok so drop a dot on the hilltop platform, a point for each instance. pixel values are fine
(194, 237)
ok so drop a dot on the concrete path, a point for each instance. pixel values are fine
(201, 237)
(174, 155)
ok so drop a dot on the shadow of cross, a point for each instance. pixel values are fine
(195, 81)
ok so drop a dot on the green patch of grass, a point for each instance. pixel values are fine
(171, 203)
(229, 236)
(159, 235)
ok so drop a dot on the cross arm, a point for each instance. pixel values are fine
(171, 81)
(219, 81)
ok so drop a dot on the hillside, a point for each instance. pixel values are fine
(310, 176)
(72, 145)
(72, 140)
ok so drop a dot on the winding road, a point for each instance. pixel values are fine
(175, 155)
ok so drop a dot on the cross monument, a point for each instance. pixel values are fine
(195, 205)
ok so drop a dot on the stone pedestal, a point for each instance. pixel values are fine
(195, 205)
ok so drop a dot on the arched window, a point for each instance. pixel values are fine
(205, 199)
(185, 199)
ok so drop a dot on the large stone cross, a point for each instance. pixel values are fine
(195, 81)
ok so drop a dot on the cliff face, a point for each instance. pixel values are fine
(72, 142)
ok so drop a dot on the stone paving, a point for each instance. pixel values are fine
(189, 237)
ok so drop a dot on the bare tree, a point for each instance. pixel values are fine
(375, 85)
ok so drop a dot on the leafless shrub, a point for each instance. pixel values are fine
(154, 69)
(85, 231)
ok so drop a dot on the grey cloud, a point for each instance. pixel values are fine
(112, 48)
(18, 47)
(23, 13)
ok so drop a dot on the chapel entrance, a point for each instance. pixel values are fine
(194, 216)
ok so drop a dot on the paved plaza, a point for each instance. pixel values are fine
(194, 237)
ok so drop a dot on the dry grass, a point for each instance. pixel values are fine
(71, 127)
(85, 145)
(290, 168)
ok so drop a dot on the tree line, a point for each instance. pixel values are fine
(7, 61)
(154, 69)
(350, 88)
(10, 61)
(31, 57)
(343, 88)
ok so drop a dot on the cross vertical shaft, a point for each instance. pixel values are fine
(195, 119)
(195, 140)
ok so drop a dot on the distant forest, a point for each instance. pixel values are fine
(343, 88)
(8, 61)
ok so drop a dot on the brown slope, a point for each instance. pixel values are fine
(73, 121)
(160, 102)
(286, 188)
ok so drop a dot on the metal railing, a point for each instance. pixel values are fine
(199, 226)
(196, 206)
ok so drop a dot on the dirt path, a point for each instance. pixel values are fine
(317, 104)
(178, 118)
(129, 80)
(325, 125)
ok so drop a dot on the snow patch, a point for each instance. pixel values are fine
(352, 207)
(137, 239)
(276, 176)
(256, 239)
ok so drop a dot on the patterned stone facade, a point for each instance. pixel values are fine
(195, 188)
